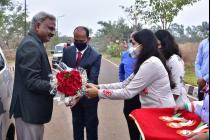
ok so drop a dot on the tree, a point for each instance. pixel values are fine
(135, 13)
(191, 32)
(177, 30)
(12, 28)
(155, 28)
(163, 11)
(3, 7)
(197, 33)
(4, 2)
(204, 30)
(110, 32)
(118, 30)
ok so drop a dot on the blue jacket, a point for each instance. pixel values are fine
(126, 66)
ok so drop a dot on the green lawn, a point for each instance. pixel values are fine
(190, 75)
(115, 60)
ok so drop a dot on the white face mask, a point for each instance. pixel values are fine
(130, 50)
(134, 52)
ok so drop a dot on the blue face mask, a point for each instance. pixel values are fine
(80, 46)
(130, 45)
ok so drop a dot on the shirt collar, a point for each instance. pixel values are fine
(32, 33)
(83, 51)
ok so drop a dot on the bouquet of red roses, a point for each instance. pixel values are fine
(68, 83)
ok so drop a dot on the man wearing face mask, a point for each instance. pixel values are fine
(126, 68)
(84, 112)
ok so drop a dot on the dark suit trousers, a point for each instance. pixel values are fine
(129, 106)
(85, 115)
(200, 94)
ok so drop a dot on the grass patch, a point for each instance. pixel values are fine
(190, 77)
(115, 60)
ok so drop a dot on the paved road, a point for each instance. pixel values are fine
(112, 125)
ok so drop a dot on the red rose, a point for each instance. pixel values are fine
(69, 82)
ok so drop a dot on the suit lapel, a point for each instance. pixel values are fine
(72, 58)
(43, 49)
(48, 62)
(85, 57)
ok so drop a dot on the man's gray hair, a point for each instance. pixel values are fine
(40, 17)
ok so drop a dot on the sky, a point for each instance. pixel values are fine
(72, 13)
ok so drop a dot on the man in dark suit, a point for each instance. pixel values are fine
(84, 113)
(32, 103)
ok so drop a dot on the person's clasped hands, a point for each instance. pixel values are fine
(73, 102)
(91, 90)
(179, 108)
(201, 83)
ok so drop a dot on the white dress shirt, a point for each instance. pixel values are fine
(82, 52)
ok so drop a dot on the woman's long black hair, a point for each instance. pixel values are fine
(149, 42)
(168, 43)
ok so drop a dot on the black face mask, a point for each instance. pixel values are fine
(68, 44)
(80, 46)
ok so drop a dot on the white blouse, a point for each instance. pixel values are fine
(151, 82)
(176, 66)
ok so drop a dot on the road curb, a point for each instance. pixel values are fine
(111, 62)
(192, 91)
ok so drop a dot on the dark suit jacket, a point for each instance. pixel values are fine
(31, 99)
(91, 62)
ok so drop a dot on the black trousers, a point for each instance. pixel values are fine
(200, 94)
(84, 114)
(129, 106)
